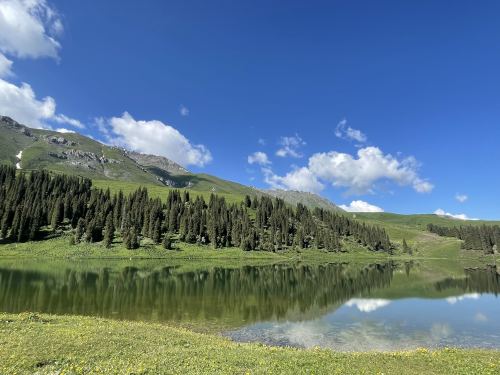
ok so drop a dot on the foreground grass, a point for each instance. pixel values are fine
(46, 344)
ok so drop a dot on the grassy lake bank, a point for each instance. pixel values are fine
(48, 344)
(431, 247)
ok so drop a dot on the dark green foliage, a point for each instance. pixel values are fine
(30, 202)
(109, 231)
(93, 232)
(248, 201)
(80, 229)
(132, 238)
(483, 237)
(167, 242)
(57, 213)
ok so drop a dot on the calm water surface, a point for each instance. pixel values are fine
(387, 306)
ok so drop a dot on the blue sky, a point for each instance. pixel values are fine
(395, 104)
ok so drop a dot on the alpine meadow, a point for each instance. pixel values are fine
(265, 187)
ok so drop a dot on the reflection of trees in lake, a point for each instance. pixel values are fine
(234, 295)
(480, 280)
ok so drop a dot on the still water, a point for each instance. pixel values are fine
(386, 306)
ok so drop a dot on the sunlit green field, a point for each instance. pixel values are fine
(59, 248)
(158, 191)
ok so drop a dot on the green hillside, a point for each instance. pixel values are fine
(117, 168)
(413, 229)
(419, 221)
(76, 154)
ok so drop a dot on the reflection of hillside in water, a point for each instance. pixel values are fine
(476, 280)
(227, 296)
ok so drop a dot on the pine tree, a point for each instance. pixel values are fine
(57, 213)
(132, 239)
(80, 229)
(167, 242)
(157, 232)
(109, 231)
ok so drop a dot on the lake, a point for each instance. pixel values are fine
(343, 306)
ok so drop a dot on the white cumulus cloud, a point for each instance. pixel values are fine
(28, 28)
(360, 174)
(5, 66)
(155, 137)
(21, 103)
(259, 158)
(461, 197)
(290, 146)
(64, 130)
(300, 179)
(344, 131)
(63, 119)
(441, 212)
(361, 206)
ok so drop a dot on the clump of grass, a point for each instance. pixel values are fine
(33, 318)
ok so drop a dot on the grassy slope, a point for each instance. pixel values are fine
(160, 191)
(412, 228)
(418, 221)
(78, 345)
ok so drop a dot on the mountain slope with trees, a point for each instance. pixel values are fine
(75, 154)
(30, 203)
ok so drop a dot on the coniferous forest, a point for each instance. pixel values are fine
(38, 204)
(483, 237)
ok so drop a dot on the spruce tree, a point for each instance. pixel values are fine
(57, 213)
(157, 231)
(80, 229)
(167, 242)
(132, 238)
(109, 231)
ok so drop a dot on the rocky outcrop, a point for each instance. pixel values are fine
(159, 162)
(57, 140)
(83, 158)
(14, 125)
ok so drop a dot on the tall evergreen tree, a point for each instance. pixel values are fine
(109, 231)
